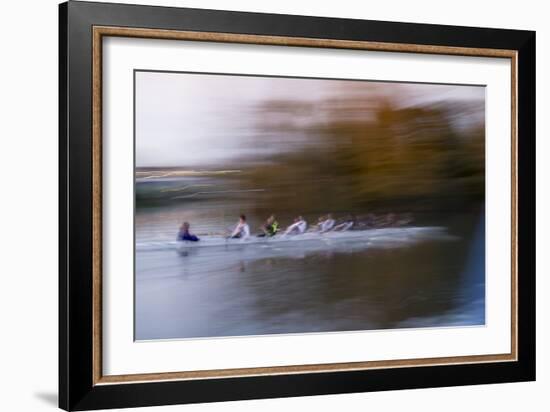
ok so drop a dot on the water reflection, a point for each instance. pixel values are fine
(431, 281)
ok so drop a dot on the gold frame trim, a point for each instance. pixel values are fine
(100, 31)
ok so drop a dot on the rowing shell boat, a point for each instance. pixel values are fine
(309, 239)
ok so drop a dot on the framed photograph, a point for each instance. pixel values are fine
(256, 205)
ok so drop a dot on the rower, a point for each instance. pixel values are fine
(326, 224)
(299, 226)
(184, 234)
(270, 227)
(347, 224)
(242, 230)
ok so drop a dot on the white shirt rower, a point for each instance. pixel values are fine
(342, 227)
(326, 225)
(242, 230)
(345, 225)
(298, 227)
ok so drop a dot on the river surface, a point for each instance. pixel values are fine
(426, 275)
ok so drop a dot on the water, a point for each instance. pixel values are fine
(428, 275)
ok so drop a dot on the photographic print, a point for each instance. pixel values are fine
(280, 205)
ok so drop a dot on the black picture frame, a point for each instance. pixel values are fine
(77, 390)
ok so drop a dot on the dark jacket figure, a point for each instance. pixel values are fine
(185, 235)
(270, 228)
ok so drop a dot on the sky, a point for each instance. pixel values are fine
(203, 120)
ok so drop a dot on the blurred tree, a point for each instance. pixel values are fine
(359, 153)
